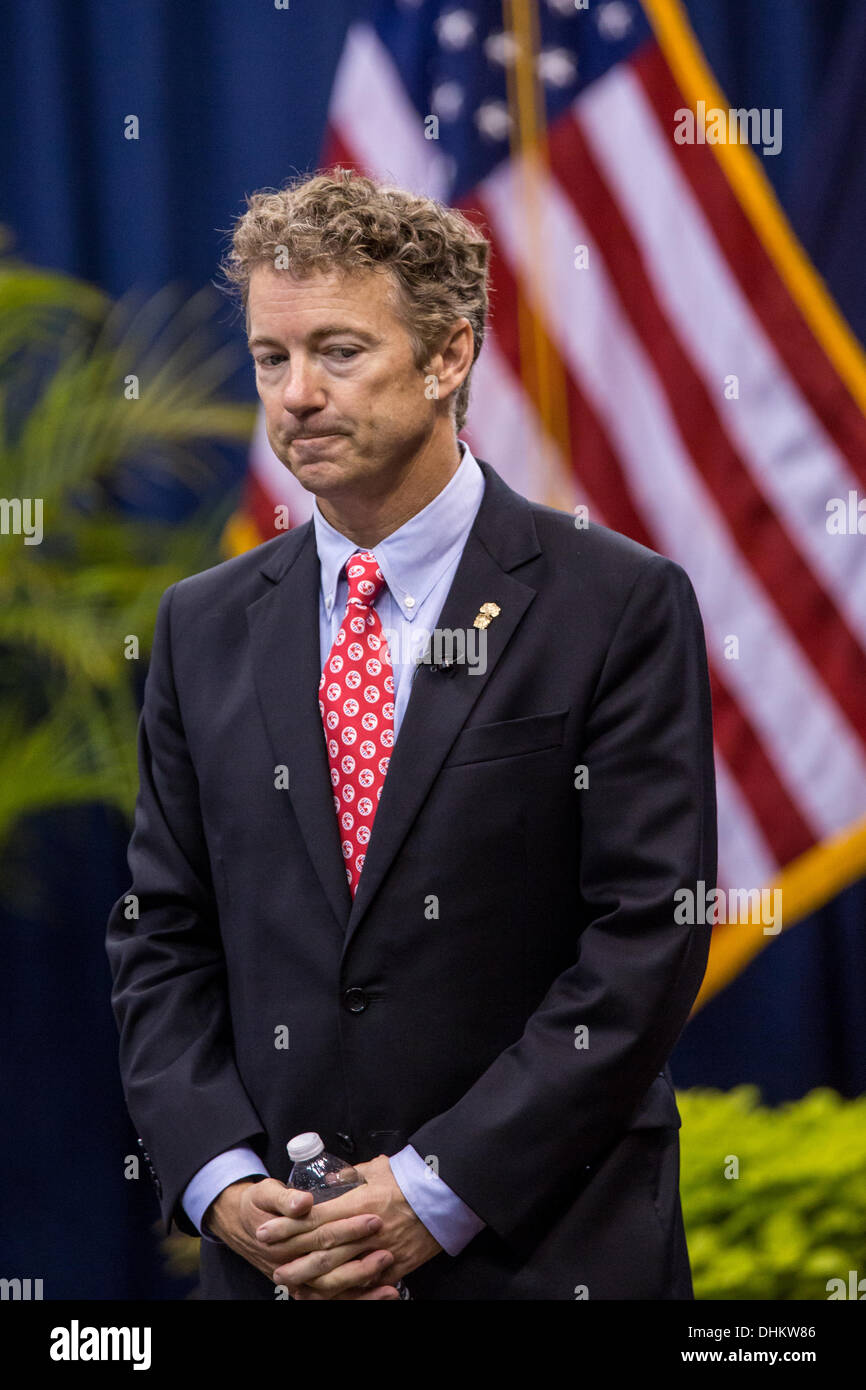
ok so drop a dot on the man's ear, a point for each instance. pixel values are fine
(460, 345)
(457, 351)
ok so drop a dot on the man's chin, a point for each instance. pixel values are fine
(318, 475)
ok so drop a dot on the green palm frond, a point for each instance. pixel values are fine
(79, 616)
(85, 420)
(80, 752)
(70, 436)
(35, 304)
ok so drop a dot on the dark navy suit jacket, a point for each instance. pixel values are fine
(506, 988)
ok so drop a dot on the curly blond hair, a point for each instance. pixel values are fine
(340, 219)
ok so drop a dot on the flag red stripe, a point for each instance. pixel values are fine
(336, 151)
(784, 829)
(259, 505)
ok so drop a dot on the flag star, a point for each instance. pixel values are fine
(614, 19)
(493, 120)
(557, 67)
(446, 101)
(456, 29)
(501, 48)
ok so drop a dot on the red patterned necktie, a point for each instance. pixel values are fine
(356, 701)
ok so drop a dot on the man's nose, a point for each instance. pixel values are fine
(302, 388)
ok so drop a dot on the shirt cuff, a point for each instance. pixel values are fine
(219, 1173)
(446, 1216)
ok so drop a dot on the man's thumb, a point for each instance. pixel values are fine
(284, 1201)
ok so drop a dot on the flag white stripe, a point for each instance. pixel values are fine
(503, 426)
(372, 112)
(276, 479)
(745, 858)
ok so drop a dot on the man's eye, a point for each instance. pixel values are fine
(270, 359)
(353, 352)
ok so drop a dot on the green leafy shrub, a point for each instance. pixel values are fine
(795, 1217)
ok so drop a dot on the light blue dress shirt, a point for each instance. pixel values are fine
(419, 561)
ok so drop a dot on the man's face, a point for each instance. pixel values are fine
(333, 359)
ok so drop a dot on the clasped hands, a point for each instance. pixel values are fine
(353, 1247)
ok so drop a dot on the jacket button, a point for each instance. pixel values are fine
(355, 1000)
(346, 1142)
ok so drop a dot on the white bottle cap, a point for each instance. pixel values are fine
(305, 1146)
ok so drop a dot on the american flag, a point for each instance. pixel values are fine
(662, 353)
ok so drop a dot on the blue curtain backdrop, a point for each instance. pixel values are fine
(232, 98)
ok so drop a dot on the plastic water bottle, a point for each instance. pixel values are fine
(318, 1172)
(325, 1175)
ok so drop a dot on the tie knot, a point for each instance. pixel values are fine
(365, 578)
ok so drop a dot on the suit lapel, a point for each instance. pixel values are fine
(284, 630)
(284, 637)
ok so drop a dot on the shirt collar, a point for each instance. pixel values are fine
(415, 556)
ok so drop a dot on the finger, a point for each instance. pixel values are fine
(333, 1271)
(325, 1237)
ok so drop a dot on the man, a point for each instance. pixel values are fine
(423, 907)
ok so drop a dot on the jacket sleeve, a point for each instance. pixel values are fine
(519, 1143)
(169, 996)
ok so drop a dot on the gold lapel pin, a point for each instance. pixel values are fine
(487, 612)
